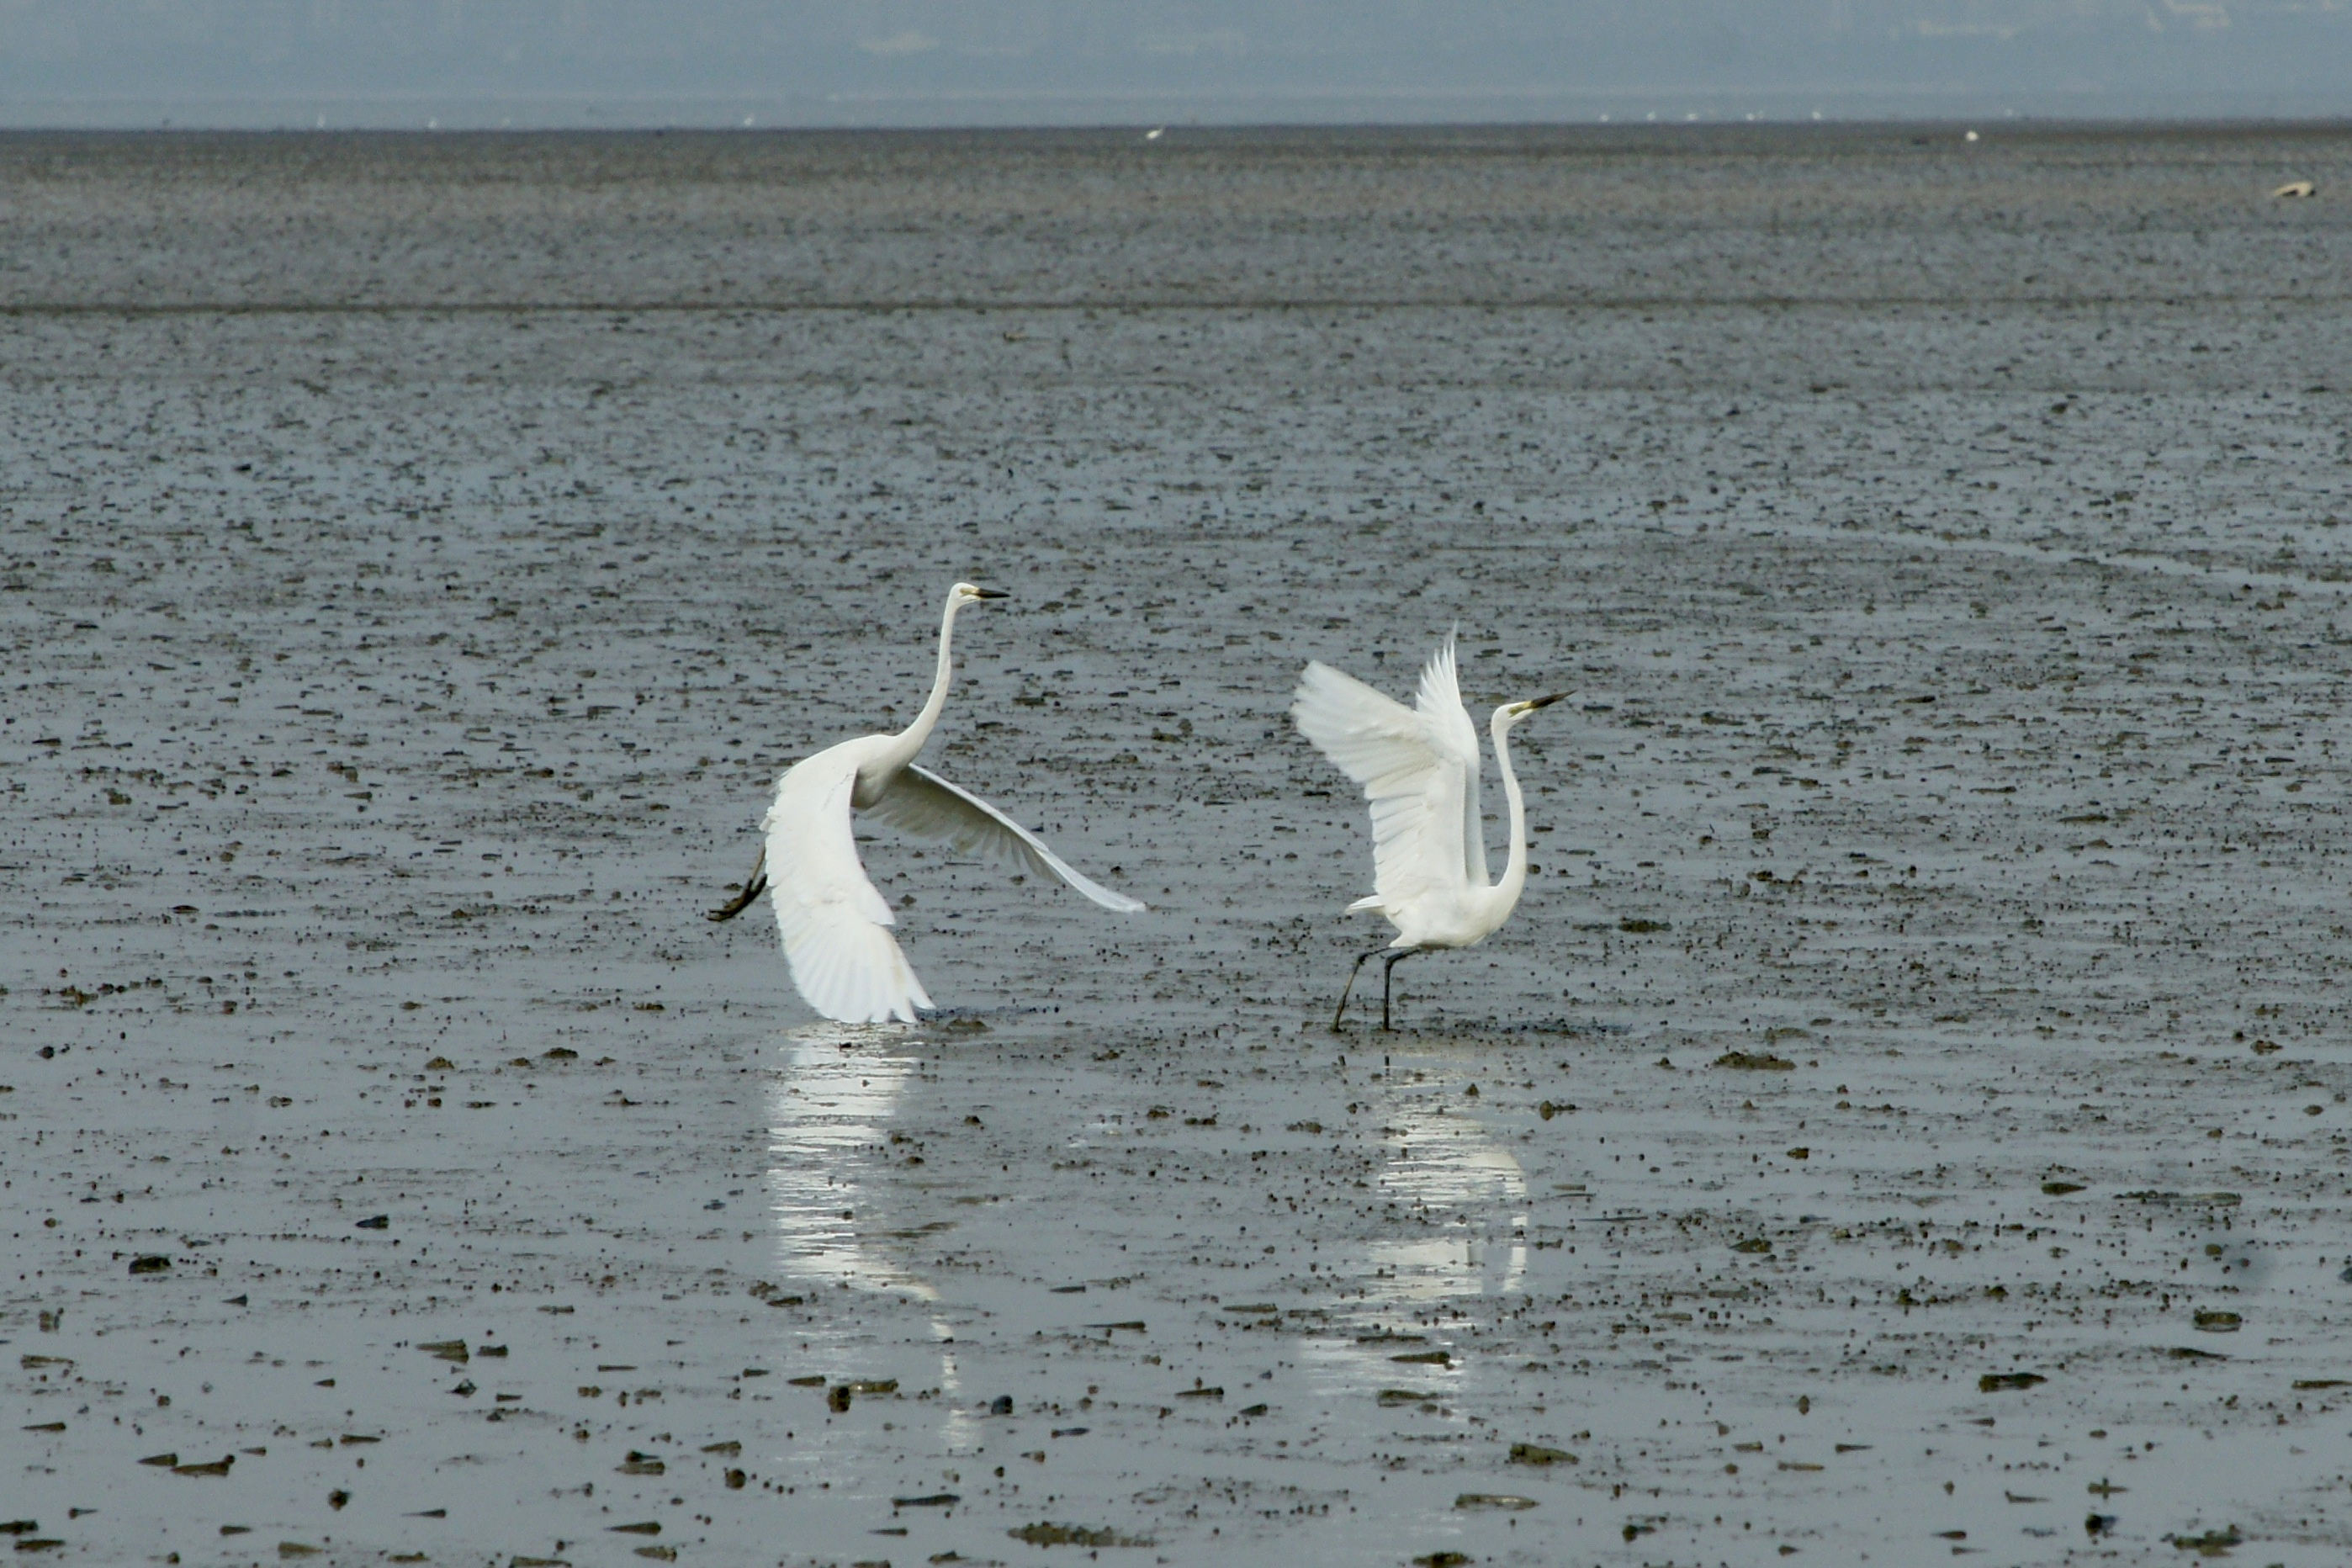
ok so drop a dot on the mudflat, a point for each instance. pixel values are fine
(1906, 1115)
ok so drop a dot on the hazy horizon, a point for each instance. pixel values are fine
(922, 63)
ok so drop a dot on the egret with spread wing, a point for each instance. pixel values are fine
(1418, 767)
(835, 927)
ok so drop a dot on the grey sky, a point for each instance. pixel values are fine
(928, 62)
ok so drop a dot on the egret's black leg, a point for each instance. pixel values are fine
(1342, 1011)
(1389, 975)
(753, 886)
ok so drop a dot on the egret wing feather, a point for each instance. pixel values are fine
(1410, 775)
(918, 801)
(1371, 737)
(835, 925)
(1440, 702)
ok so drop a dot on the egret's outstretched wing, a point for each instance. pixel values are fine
(834, 926)
(1440, 702)
(921, 802)
(1410, 772)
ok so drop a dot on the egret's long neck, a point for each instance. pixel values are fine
(908, 743)
(1515, 871)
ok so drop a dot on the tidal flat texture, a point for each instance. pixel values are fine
(1905, 1118)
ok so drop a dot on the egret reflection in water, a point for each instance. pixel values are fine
(831, 1111)
(1450, 1165)
(832, 1107)
(849, 1213)
(1448, 1170)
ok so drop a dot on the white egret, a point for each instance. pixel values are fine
(835, 927)
(1418, 767)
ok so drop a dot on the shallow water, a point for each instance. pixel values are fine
(422, 556)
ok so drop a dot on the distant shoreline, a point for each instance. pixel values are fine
(1661, 107)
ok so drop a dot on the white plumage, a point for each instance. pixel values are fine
(835, 927)
(1419, 768)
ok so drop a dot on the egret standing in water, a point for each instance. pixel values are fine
(1418, 767)
(835, 927)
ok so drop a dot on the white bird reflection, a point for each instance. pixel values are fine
(1446, 1168)
(831, 1109)
(1449, 1165)
(845, 1209)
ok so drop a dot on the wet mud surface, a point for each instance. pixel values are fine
(1906, 1117)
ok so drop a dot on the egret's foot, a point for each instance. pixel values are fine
(741, 902)
(753, 886)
